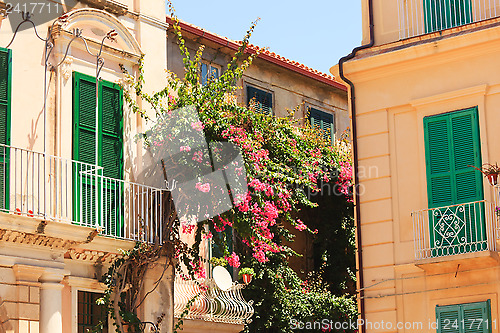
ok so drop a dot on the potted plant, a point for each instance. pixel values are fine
(247, 274)
(490, 171)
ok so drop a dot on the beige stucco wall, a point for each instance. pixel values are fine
(289, 89)
(395, 90)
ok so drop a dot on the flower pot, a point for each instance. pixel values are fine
(247, 278)
(493, 178)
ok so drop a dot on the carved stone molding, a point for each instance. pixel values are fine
(66, 67)
(92, 256)
(25, 238)
(114, 7)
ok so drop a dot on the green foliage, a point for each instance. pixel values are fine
(218, 262)
(123, 281)
(246, 270)
(282, 298)
(334, 245)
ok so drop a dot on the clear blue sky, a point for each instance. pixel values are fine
(314, 32)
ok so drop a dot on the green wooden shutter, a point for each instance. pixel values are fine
(323, 121)
(444, 14)
(263, 99)
(437, 135)
(476, 317)
(105, 194)
(464, 318)
(466, 152)
(112, 133)
(112, 156)
(452, 146)
(85, 131)
(448, 319)
(85, 119)
(5, 105)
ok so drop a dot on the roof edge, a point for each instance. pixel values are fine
(264, 55)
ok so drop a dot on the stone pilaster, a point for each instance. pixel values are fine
(51, 301)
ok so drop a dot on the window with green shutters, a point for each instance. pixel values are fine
(323, 121)
(464, 318)
(452, 147)
(93, 195)
(5, 101)
(444, 14)
(263, 99)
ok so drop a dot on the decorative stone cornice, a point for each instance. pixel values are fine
(99, 257)
(25, 238)
(111, 6)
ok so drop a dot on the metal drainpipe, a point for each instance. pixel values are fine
(355, 157)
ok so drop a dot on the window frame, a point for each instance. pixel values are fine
(77, 284)
(101, 132)
(8, 111)
(333, 134)
(78, 303)
(209, 65)
(263, 90)
(477, 134)
(461, 322)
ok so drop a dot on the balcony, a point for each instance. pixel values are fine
(57, 189)
(455, 230)
(418, 17)
(212, 304)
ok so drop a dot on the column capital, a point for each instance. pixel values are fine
(52, 276)
(27, 273)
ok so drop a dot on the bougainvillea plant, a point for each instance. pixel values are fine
(283, 164)
(283, 161)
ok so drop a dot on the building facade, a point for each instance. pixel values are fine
(277, 84)
(425, 111)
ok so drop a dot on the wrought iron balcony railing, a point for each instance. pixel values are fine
(418, 17)
(53, 188)
(211, 303)
(457, 229)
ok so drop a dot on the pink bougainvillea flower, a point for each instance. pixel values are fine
(198, 156)
(260, 256)
(188, 228)
(199, 270)
(185, 148)
(197, 126)
(203, 187)
(300, 226)
(233, 260)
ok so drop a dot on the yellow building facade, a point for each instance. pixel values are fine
(425, 111)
